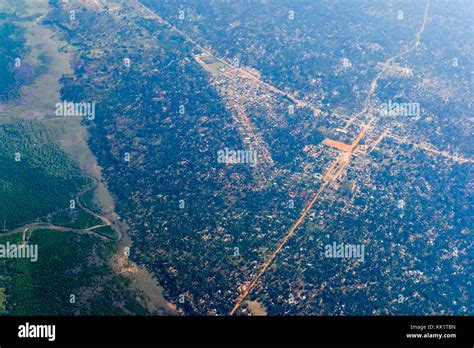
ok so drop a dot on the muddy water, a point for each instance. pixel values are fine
(37, 99)
(148, 284)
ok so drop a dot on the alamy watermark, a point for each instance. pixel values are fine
(37, 331)
(19, 251)
(71, 109)
(400, 109)
(229, 156)
(346, 251)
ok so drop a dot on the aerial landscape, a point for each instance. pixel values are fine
(236, 157)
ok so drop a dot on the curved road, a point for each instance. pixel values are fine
(88, 230)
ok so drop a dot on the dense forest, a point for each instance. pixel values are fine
(37, 178)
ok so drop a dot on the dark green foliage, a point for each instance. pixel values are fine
(75, 218)
(68, 263)
(37, 178)
(106, 231)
